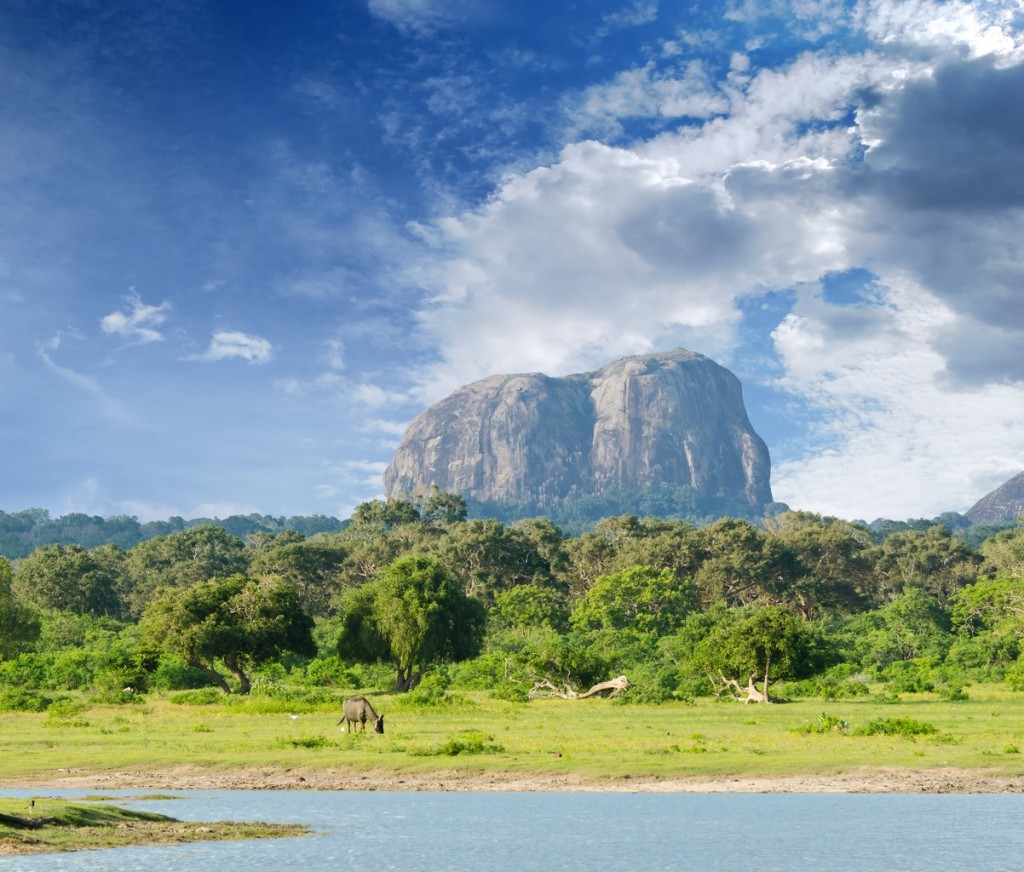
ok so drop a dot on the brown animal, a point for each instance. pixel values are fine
(358, 710)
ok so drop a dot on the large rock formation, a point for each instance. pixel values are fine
(529, 440)
(1005, 503)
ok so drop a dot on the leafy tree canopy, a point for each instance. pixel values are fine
(237, 621)
(414, 614)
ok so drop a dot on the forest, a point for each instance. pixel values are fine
(411, 596)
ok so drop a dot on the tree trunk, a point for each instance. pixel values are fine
(213, 673)
(231, 661)
(407, 678)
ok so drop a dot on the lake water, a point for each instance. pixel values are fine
(522, 832)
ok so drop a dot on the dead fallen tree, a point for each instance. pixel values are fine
(24, 823)
(611, 688)
(750, 693)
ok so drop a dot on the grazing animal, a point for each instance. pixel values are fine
(358, 710)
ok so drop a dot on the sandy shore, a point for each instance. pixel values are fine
(855, 781)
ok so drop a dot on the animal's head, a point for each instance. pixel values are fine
(379, 726)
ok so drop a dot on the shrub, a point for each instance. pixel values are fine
(510, 692)
(896, 727)
(203, 696)
(330, 672)
(23, 699)
(909, 676)
(825, 723)
(466, 742)
(306, 742)
(173, 673)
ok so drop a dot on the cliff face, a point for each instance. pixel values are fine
(1006, 502)
(662, 419)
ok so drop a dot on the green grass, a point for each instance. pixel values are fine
(79, 826)
(592, 739)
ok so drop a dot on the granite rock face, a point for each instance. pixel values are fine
(675, 418)
(1006, 502)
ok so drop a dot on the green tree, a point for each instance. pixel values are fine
(931, 559)
(527, 607)
(1004, 554)
(415, 614)
(833, 568)
(311, 566)
(19, 625)
(991, 613)
(912, 625)
(237, 621)
(742, 565)
(69, 578)
(768, 644)
(442, 509)
(386, 514)
(641, 598)
(487, 558)
(181, 560)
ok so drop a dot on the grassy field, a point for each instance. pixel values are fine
(591, 739)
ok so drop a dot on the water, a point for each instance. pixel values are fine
(492, 832)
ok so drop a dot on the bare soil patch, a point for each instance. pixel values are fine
(866, 780)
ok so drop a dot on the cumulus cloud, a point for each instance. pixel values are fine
(227, 344)
(899, 441)
(138, 322)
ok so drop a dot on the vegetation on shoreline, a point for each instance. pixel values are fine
(414, 596)
(45, 825)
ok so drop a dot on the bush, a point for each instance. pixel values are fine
(330, 672)
(23, 699)
(24, 671)
(825, 723)
(203, 696)
(466, 742)
(510, 692)
(306, 742)
(431, 691)
(1015, 676)
(173, 673)
(896, 727)
(908, 676)
(839, 682)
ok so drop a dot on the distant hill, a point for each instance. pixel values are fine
(1005, 503)
(533, 444)
(22, 532)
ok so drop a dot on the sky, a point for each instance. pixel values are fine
(242, 244)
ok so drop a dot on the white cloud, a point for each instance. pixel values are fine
(226, 344)
(902, 443)
(380, 425)
(375, 396)
(650, 92)
(107, 405)
(334, 354)
(424, 17)
(138, 322)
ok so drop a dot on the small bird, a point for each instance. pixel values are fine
(295, 717)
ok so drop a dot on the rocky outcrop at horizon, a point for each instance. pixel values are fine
(675, 418)
(1006, 502)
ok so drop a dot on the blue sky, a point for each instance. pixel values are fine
(243, 244)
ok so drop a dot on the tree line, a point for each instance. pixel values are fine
(415, 589)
